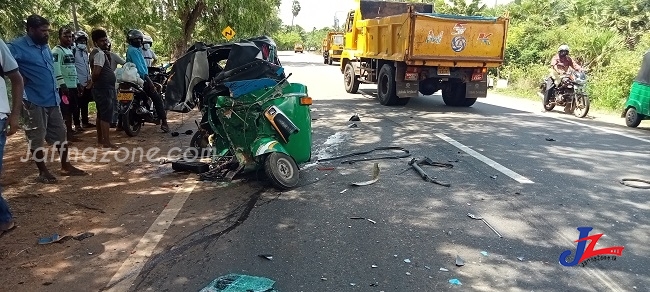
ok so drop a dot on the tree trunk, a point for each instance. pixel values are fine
(74, 17)
(190, 15)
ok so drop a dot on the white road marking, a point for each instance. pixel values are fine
(519, 178)
(130, 269)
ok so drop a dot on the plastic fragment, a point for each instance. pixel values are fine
(455, 282)
(484, 253)
(459, 262)
(407, 261)
(444, 270)
(236, 282)
(407, 273)
(521, 259)
(374, 266)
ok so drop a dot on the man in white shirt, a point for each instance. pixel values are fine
(8, 117)
(150, 57)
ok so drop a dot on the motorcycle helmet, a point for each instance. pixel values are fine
(563, 50)
(80, 35)
(147, 40)
(135, 38)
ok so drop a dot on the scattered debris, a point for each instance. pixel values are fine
(407, 261)
(375, 177)
(484, 253)
(353, 284)
(374, 284)
(236, 282)
(459, 262)
(470, 215)
(415, 165)
(83, 235)
(326, 168)
(353, 125)
(521, 259)
(357, 218)
(175, 134)
(355, 118)
(343, 191)
(455, 282)
(428, 161)
(52, 239)
(444, 270)
(645, 184)
(371, 221)
(427, 267)
(374, 266)
(494, 176)
(406, 154)
(550, 139)
(266, 256)
(408, 274)
(323, 279)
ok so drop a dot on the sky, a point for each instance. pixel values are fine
(320, 13)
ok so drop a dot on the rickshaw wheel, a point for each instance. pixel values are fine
(632, 118)
(281, 170)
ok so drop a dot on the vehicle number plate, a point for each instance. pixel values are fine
(443, 71)
(121, 96)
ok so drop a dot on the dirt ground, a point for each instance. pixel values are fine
(118, 200)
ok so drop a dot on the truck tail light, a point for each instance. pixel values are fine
(412, 74)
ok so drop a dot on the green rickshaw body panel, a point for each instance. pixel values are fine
(639, 98)
(242, 121)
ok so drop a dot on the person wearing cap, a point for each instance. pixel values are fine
(82, 65)
(66, 78)
(41, 100)
(150, 57)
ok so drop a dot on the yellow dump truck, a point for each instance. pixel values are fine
(297, 48)
(333, 47)
(406, 48)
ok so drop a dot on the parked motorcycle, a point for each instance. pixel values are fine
(570, 93)
(160, 75)
(135, 108)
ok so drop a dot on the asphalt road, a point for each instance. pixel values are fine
(534, 192)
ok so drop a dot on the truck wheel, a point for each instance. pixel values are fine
(427, 87)
(449, 97)
(351, 81)
(386, 86)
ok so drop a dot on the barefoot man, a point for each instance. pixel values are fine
(103, 87)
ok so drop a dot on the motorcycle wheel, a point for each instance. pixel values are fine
(131, 123)
(281, 170)
(581, 107)
(546, 102)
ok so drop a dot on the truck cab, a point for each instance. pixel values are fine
(298, 48)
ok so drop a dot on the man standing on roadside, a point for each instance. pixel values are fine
(66, 79)
(103, 80)
(82, 65)
(41, 112)
(8, 119)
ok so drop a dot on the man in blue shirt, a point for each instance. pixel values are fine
(41, 111)
(134, 55)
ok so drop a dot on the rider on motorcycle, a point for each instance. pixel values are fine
(560, 64)
(134, 55)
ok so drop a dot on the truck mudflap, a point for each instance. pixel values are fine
(404, 89)
(476, 89)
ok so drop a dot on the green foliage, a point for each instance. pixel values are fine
(607, 37)
(173, 24)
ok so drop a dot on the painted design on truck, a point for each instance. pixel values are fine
(459, 29)
(485, 38)
(458, 43)
(435, 39)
